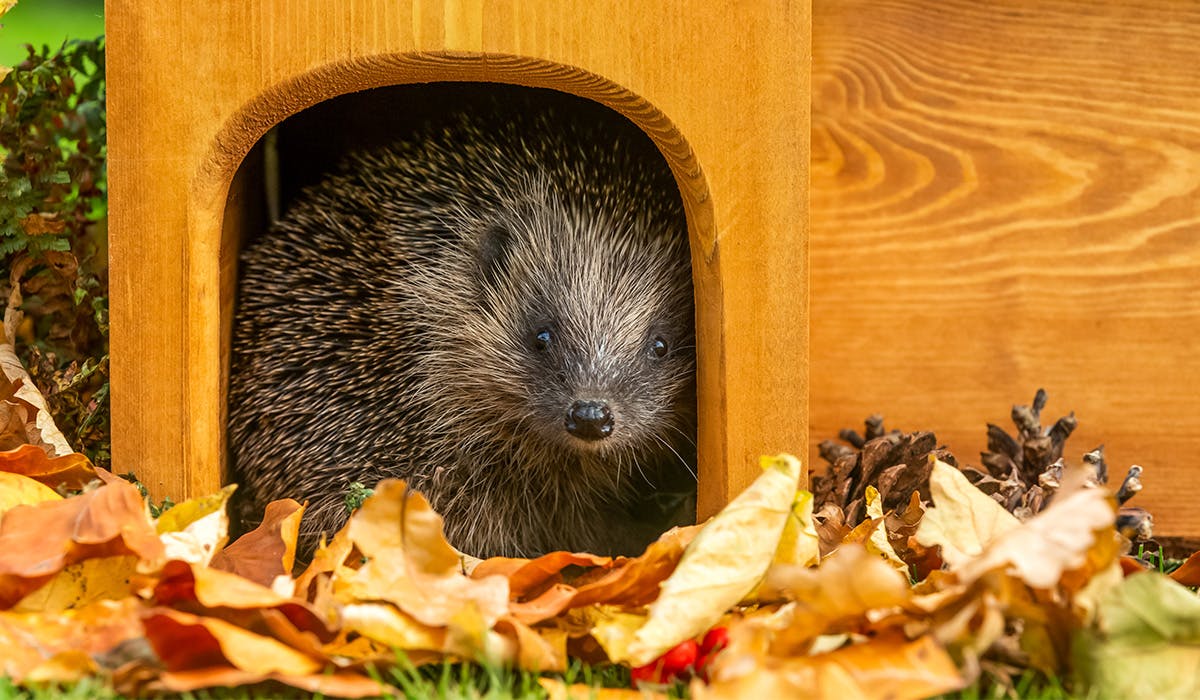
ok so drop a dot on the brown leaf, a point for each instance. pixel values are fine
(71, 471)
(42, 224)
(37, 541)
(267, 551)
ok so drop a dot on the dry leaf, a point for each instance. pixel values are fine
(41, 224)
(34, 642)
(888, 667)
(527, 575)
(539, 650)
(878, 543)
(1188, 574)
(37, 541)
(193, 531)
(836, 596)
(268, 551)
(410, 564)
(799, 543)
(724, 564)
(1052, 542)
(17, 490)
(106, 578)
(188, 642)
(963, 520)
(630, 582)
(70, 472)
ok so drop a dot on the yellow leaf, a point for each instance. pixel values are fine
(387, 625)
(878, 542)
(614, 629)
(964, 519)
(836, 596)
(17, 490)
(6, 5)
(195, 530)
(723, 564)
(799, 543)
(90, 580)
(409, 563)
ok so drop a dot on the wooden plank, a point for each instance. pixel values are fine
(1006, 195)
(193, 86)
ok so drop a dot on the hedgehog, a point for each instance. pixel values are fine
(497, 309)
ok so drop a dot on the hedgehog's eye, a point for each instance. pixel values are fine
(658, 346)
(541, 339)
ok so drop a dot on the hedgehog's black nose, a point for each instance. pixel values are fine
(589, 420)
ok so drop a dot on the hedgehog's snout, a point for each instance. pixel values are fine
(589, 420)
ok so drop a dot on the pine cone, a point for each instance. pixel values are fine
(896, 463)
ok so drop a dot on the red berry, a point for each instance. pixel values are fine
(716, 639)
(680, 658)
(645, 674)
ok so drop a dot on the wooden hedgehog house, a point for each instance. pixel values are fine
(721, 88)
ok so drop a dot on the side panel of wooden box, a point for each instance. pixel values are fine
(1006, 195)
(191, 87)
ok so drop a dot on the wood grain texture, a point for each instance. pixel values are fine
(1006, 195)
(193, 86)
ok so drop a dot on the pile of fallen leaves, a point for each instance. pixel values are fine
(91, 585)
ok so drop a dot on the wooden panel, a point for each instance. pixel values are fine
(193, 86)
(1006, 195)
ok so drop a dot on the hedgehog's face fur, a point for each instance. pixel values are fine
(580, 349)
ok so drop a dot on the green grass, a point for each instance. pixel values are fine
(49, 22)
(451, 681)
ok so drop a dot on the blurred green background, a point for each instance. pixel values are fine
(49, 22)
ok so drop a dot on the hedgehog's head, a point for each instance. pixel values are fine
(582, 345)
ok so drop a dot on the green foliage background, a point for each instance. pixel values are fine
(49, 22)
(53, 232)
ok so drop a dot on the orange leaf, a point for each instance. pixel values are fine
(525, 575)
(267, 551)
(632, 582)
(887, 667)
(190, 642)
(223, 594)
(71, 471)
(35, 642)
(1189, 573)
(37, 541)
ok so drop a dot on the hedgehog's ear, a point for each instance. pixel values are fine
(494, 244)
